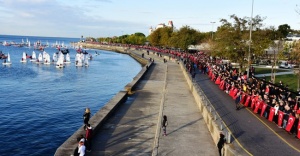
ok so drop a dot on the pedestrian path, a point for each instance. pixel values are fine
(187, 131)
(134, 129)
(279, 73)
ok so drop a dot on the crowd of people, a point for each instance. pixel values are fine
(273, 102)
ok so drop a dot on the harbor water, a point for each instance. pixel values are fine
(41, 105)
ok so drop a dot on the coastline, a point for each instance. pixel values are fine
(68, 147)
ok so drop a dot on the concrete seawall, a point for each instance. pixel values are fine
(97, 120)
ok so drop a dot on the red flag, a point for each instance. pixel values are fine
(253, 102)
(234, 92)
(257, 105)
(296, 106)
(290, 123)
(280, 118)
(298, 130)
(244, 97)
(263, 109)
(271, 114)
(247, 101)
(218, 80)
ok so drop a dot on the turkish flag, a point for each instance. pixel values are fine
(280, 117)
(264, 106)
(247, 101)
(257, 105)
(271, 114)
(298, 130)
(290, 123)
(253, 102)
(218, 80)
(296, 106)
(243, 98)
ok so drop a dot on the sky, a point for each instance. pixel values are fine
(108, 18)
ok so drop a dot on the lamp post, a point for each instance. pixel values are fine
(212, 32)
(250, 41)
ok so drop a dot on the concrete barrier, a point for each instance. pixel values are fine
(97, 120)
(211, 117)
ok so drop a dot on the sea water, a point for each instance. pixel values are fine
(42, 106)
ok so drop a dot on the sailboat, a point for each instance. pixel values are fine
(7, 61)
(47, 59)
(60, 61)
(68, 59)
(24, 59)
(54, 58)
(78, 60)
(40, 58)
(86, 61)
(33, 57)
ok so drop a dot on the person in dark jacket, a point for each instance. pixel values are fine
(221, 143)
(164, 125)
(86, 117)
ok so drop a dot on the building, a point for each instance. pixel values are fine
(161, 25)
(293, 37)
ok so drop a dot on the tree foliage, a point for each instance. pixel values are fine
(283, 30)
(232, 39)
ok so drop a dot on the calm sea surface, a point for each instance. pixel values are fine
(41, 106)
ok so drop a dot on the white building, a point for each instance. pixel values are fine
(293, 37)
(161, 25)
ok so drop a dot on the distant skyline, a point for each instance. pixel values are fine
(107, 18)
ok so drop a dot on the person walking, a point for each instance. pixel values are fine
(86, 117)
(221, 143)
(164, 125)
(88, 137)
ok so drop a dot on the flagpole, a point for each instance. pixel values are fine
(250, 41)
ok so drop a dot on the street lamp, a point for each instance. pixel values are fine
(250, 41)
(212, 32)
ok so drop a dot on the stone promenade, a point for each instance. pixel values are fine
(134, 129)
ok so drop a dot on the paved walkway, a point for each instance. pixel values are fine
(134, 129)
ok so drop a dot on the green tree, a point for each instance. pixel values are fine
(232, 39)
(284, 30)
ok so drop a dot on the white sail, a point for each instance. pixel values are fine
(7, 61)
(40, 58)
(54, 58)
(33, 56)
(47, 59)
(68, 59)
(23, 60)
(60, 61)
(78, 60)
(86, 60)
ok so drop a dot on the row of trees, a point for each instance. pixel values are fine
(231, 40)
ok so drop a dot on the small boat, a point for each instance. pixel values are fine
(7, 60)
(33, 57)
(78, 60)
(60, 62)
(54, 58)
(47, 59)
(68, 59)
(86, 61)
(40, 58)
(24, 58)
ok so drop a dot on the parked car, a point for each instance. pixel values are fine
(286, 65)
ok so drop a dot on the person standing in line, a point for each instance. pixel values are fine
(88, 137)
(164, 125)
(86, 117)
(221, 143)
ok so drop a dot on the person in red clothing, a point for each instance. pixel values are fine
(88, 137)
